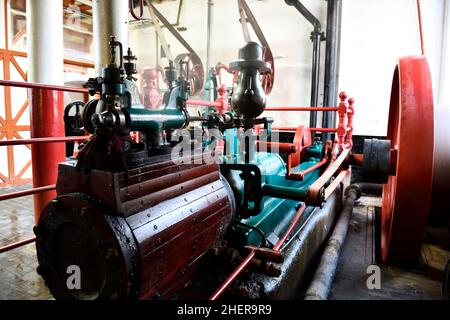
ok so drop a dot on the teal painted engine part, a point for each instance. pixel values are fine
(140, 118)
(271, 199)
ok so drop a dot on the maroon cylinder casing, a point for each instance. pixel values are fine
(174, 212)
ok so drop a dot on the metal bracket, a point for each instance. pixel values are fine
(250, 205)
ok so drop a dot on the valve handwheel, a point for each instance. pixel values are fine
(72, 118)
(406, 196)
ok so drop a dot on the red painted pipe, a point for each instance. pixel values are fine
(323, 129)
(30, 85)
(24, 193)
(301, 109)
(203, 103)
(46, 109)
(222, 66)
(14, 245)
(41, 140)
(249, 258)
(233, 276)
(290, 228)
(282, 147)
(311, 129)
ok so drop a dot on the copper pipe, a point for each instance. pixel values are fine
(233, 276)
(79, 63)
(419, 14)
(14, 245)
(27, 192)
(266, 253)
(41, 140)
(251, 255)
(141, 9)
(30, 85)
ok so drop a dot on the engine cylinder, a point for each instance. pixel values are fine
(150, 248)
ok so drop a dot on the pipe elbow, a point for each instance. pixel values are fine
(306, 13)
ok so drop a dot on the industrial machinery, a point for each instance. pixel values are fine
(189, 208)
(140, 221)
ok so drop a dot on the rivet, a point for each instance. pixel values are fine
(111, 254)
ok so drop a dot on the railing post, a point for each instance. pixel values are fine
(342, 123)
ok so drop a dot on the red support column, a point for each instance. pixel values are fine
(46, 116)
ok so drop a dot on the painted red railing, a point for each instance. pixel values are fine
(30, 85)
(301, 109)
(311, 129)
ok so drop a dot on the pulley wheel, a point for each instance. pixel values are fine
(376, 160)
(406, 196)
(196, 71)
(268, 78)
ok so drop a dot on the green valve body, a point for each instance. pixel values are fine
(140, 118)
(280, 197)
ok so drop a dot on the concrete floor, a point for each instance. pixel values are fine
(358, 253)
(19, 280)
(18, 277)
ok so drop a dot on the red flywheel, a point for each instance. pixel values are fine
(406, 196)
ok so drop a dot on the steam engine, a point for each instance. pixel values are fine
(143, 220)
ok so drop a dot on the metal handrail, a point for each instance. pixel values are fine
(16, 142)
(31, 85)
(17, 244)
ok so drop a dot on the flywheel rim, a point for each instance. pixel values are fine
(406, 196)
